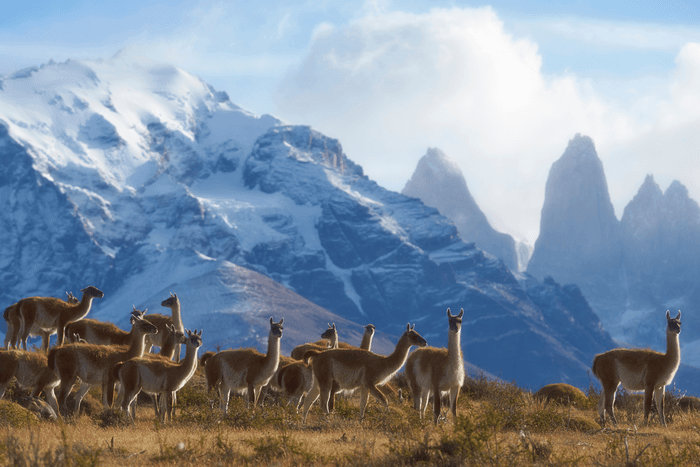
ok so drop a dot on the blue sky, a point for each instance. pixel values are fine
(501, 86)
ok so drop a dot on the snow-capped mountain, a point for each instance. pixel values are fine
(439, 182)
(140, 179)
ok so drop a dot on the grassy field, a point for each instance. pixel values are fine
(498, 424)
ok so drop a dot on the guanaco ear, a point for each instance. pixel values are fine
(461, 313)
(170, 327)
(413, 327)
(282, 321)
(271, 321)
(679, 315)
(334, 326)
(668, 314)
(200, 332)
(408, 327)
(449, 313)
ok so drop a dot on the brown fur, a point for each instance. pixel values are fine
(93, 363)
(14, 323)
(51, 314)
(329, 341)
(352, 369)
(171, 344)
(31, 370)
(243, 369)
(160, 321)
(97, 332)
(173, 302)
(296, 379)
(637, 370)
(158, 375)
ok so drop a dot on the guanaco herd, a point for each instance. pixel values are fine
(100, 353)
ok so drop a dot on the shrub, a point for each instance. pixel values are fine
(15, 416)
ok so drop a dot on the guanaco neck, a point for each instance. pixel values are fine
(397, 358)
(366, 343)
(80, 311)
(334, 341)
(673, 348)
(177, 319)
(189, 364)
(168, 349)
(454, 346)
(272, 358)
(137, 343)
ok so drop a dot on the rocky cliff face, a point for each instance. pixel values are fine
(580, 237)
(439, 183)
(630, 271)
(143, 181)
(579, 232)
(661, 237)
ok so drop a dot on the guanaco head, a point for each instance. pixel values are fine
(413, 337)
(71, 298)
(369, 329)
(276, 328)
(674, 324)
(91, 291)
(170, 301)
(330, 332)
(145, 326)
(194, 338)
(175, 336)
(455, 321)
(138, 313)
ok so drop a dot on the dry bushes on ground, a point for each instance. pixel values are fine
(498, 423)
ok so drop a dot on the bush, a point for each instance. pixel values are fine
(15, 416)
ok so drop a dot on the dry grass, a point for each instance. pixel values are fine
(498, 424)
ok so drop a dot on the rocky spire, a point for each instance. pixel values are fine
(579, 233)
(439, 183)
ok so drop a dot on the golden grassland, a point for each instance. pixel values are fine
(498, 424)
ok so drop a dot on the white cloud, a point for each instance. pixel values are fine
(388, 86)
(667, 144)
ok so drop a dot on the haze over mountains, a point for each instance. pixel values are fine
(141, 179)
(631, 270)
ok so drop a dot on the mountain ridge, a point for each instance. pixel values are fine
(172, 184)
